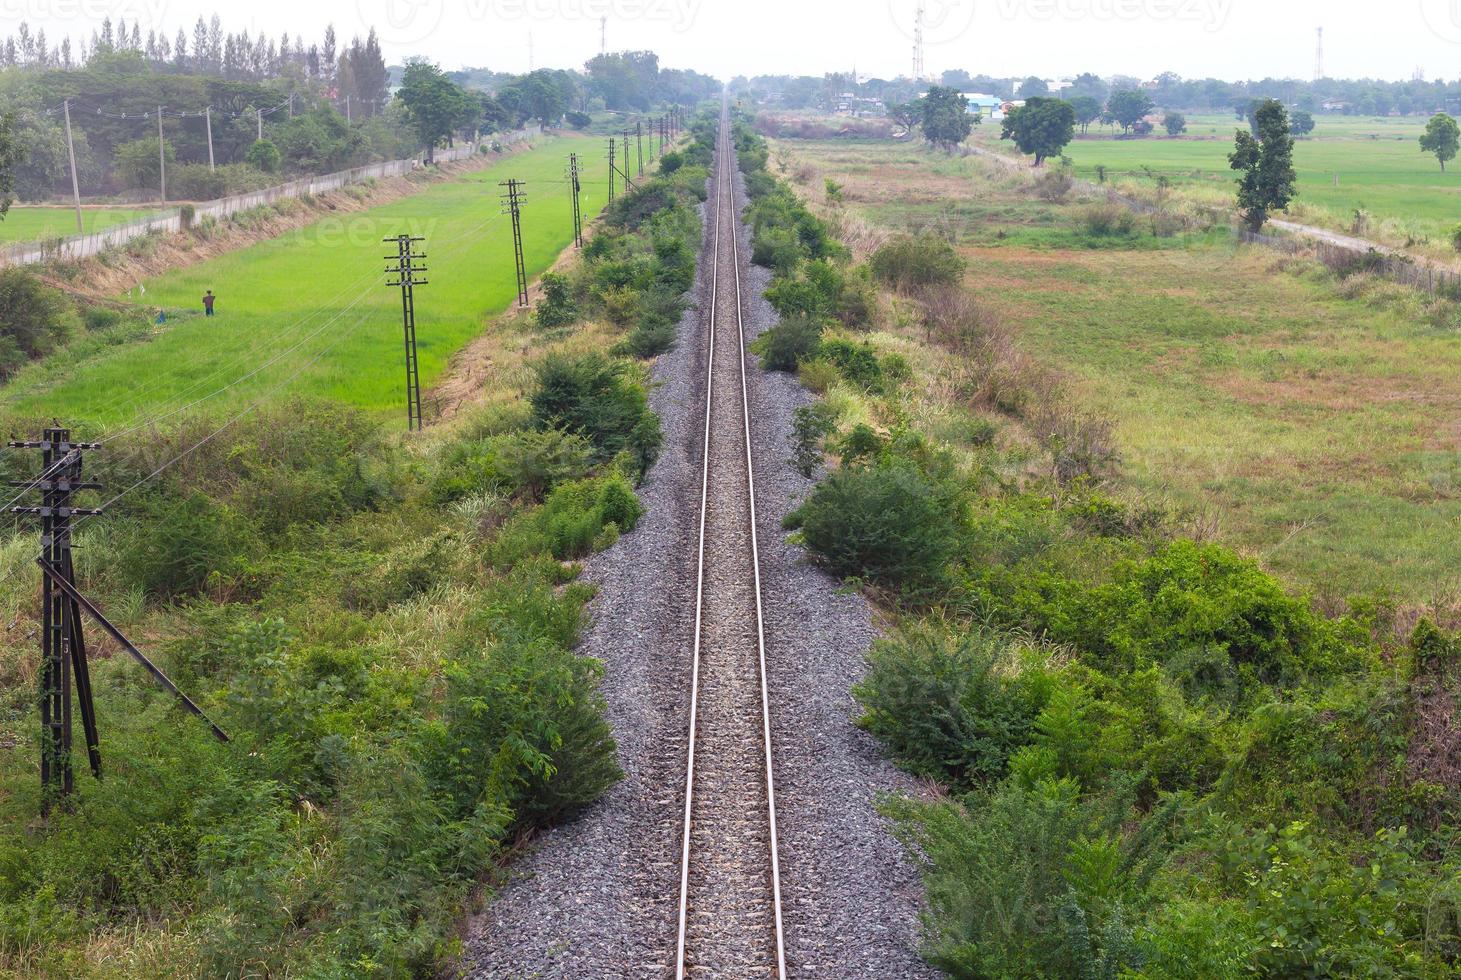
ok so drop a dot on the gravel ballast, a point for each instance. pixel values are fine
(598, 897)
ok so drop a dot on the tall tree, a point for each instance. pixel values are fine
(1265, 164)
(435, 105)
(11, 154)
(1042, 126)
(1442, 137)
(1129, 106)
(945, 117)
(1087, 110)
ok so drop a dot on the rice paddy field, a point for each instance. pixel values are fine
(27, 223)
(1348, 163)
(1309, 421)
(309, 313)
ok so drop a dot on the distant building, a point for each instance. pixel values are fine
(986, 106)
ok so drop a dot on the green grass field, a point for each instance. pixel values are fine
(1348, 163)
(317, 299)
(1315, 431)
(28, 224)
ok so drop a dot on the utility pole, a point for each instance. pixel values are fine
(75, 183)
(405, 270)
(622, 171)
(161, 159)
(611, 170)
(603, 36)
(512, 202)
(259, 119)
(347, 108)
(1319, 57)
(64, 665)
(208, 121)
(291, 105)
(639, 144)
(573, 186)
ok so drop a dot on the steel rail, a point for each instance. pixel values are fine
(726, 177)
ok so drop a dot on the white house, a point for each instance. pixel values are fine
(986, 106)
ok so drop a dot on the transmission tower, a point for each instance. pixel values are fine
(918, 41)
(512, 200)
(407, 267)
(603, 36)
(1319, 55)
(64, 666)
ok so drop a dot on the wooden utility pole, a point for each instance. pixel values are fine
(75, 183)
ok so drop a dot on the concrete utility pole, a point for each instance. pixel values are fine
(603, 36)
(161, 159)
(208, 121)
(75, 184)
(259, 118)
(347, 108)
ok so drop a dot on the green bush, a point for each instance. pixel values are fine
(888, 525)
(595, 396)
(951, 707)
(910, 261)
(557, 307)
(1034, 881)
(576, 519)
(786, 345)
(811, 425)
(264, 155)
(34, 319)
(858, 363)
(1108, 220)
(182, 546)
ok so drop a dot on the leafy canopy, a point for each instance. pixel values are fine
(1042, 126)
(1266, 164)
(1442, 137)
(945, 117)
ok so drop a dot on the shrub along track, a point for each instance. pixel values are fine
(598, 897)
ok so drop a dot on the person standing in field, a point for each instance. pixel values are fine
(208, 303)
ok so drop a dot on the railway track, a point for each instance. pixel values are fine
(730, 916)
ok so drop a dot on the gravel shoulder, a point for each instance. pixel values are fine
(597, 897)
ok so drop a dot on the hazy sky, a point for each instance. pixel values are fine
(1195, 38)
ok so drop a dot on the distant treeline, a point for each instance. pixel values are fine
(285, 107)
(1350, 96)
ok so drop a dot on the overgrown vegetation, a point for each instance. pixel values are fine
(385, 628)
(1160, 761)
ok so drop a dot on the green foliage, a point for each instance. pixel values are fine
(888, 525)
(1265, 161)
(596, 397)
(265, 155)
(137, 164)
(1108, 220)
(944, 116)
(557, 307)
(1042, 127)
(1442, 137)
(435, 106)
(578, 120)
(1128, 107)
(811, 425)
(1176, 124)
(857, 363)
(576, 519)
(786, 345)
(910, 261)
(182, 547)
(1301, 123)
(1034, 881)
(34, 319)
(12, 154)
(952, 707)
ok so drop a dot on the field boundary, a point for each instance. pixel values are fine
(1340, 257)
(171, 221)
